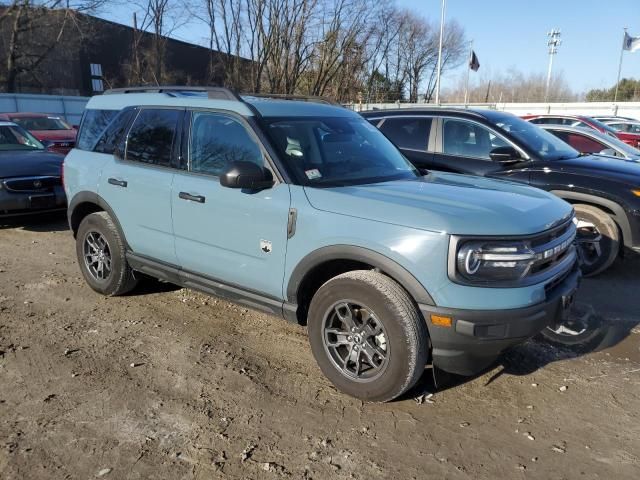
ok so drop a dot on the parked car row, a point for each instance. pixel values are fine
(434, 250)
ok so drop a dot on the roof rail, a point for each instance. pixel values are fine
(286, 96)
(218, 93)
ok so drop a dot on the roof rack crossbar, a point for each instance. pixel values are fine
(219, 93)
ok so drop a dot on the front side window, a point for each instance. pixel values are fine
(217, 140)
(92, 126)
(469, 139)
(13, 137)
(410, 133)
(337, 151)
(151, 137)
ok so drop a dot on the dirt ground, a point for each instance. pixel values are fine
(170, 384)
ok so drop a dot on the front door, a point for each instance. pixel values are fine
(465, 147)
(236, 236)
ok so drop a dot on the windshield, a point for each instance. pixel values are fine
(337, 151)
(543, 143)
(12, 137)
(41, 123)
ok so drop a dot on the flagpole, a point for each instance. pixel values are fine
(466, 86)
(615, 97)
(439, 68)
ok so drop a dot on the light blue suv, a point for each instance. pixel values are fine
(306, 211)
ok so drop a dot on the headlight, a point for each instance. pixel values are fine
(480, 261)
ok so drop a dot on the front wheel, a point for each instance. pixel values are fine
(598, 239)
(367, 335)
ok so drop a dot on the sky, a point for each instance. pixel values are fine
(513, 34)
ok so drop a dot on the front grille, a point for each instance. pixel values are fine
(552, 247)
(32, 184)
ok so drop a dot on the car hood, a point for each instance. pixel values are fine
(449, 203)
(56, 135)
(600, 166)
(17, 163)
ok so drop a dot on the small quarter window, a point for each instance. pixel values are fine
(92, 126)
(151, 137)
(114, 135)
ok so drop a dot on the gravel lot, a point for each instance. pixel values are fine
(168, 383)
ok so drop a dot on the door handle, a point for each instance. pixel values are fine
(118, 183)
(193, 198)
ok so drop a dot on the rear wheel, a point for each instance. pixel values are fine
(367, 335)
(101, 256)
(598, 239)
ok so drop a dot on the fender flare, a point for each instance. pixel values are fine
(619, 214)
(359, 254)
(92, 197)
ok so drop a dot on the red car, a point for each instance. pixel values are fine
(56, 134)
(632, 139)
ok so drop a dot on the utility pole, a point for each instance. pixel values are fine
(439, 67)
(553, 44)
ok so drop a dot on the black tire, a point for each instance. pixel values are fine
(393, 312)
(120, 278)
(596, 258)
(583, 330)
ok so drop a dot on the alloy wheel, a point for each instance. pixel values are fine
(97, 256)
(356, 341)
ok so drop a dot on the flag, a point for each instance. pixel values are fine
(631, 43)
(474, 63)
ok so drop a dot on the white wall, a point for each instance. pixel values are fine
(68, 107)
(625, 109)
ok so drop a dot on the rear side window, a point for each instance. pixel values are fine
(151, 136)
(581, 143)
(93, 124)
(410, 133)
(114, 135)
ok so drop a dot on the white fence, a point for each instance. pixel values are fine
(70, 108)
(623, 109)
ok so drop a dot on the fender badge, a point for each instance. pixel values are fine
(265, 246)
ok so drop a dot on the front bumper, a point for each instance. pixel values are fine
(477, 337)
(14, 203)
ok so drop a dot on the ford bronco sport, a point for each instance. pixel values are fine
(306, 211)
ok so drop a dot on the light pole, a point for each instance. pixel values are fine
(553, 44)
(439, 67)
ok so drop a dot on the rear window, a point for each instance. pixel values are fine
(410, 133)
(94, 122)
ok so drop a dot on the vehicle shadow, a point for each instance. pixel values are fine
(614, 306)
(42, 222)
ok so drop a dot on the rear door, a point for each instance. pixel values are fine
(237, 237)
(137, 183)
(412, 135)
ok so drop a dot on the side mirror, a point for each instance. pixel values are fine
(608, 151)
(505, 155)
(47, 144)
(246, 175)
